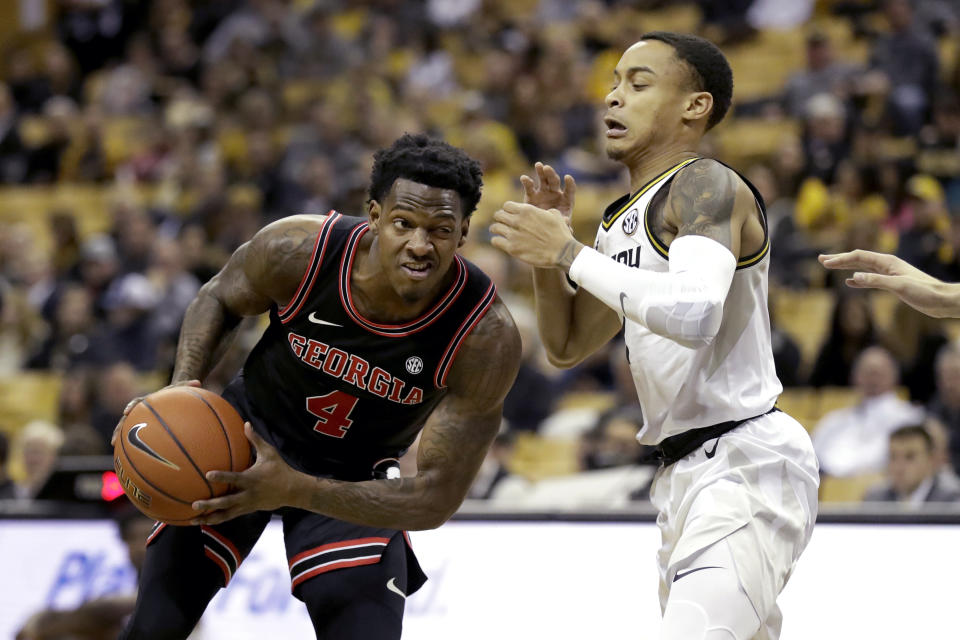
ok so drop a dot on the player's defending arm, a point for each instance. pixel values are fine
(684, 304)
(453, 444)
(573, 323)
(921, 291)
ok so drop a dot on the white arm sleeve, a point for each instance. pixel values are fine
(684, 304)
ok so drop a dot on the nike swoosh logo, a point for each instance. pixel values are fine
(686, 573)
(392, 586)
(710, 454)
(133, 437)
(315, 320)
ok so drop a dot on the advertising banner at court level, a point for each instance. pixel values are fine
(557, 580)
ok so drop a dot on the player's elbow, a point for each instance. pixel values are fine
(693, 323)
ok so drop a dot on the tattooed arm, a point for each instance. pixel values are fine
(708, 216)
(263, 271)
(453, 443)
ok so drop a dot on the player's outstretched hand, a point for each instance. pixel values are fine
(883, 271)
(136, 401)
(262, 487)
(548, 192)
(539, 237)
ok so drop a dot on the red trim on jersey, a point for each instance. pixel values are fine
(312, 267)
(394, 330)
(219, 537)
(220, 562)
(457, 343)
(160, 527)
(342, 564)
(406, 536)
(335, 545)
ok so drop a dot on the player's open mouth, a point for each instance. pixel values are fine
(615, 128)
(417, 271)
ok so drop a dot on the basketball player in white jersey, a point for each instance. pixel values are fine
(681, 264)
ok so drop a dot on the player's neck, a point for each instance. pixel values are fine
(650, 164)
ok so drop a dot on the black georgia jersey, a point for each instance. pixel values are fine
(337, 393)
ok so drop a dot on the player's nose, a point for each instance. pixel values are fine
(419, 243)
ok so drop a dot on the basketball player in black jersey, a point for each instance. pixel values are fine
(378, 330)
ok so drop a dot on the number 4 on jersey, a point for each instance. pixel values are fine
(333, 412)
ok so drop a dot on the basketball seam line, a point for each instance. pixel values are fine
(180, 446)
(123, 447)
(223, 428)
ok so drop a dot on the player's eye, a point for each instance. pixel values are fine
(638, 87)
(401, 223)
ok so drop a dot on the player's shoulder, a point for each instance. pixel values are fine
(493, 348)
(707, 172)
(277, 256)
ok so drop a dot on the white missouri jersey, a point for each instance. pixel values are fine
(679, 387)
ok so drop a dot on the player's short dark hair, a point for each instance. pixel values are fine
(428, 161)
(914, 431)
(710, 70)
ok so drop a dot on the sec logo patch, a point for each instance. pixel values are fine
(414, 364)
(631, 221)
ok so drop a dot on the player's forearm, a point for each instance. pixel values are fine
(207, 329)
(573, 323)
(684, 304)
(554, 299)
(410, 504)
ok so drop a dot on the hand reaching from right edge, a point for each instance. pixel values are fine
(921, 291)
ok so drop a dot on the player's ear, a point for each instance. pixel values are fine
(464, 229)
(374, 211)
(698, 106)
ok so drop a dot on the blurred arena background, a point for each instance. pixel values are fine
(142, 141)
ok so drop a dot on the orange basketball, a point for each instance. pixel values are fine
(167, 444)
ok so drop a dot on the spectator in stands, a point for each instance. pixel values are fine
(793, 249)
(906, 64)
(851, 331)
(115, 386)
(13, 155)
(945, 405)
(128, 335)
(613, 440)
(494, 469)
(176, 287)
(68, 342)
(939, 153)
(6, 484)
(21, 329)
(786, 353)
(924, 244)
(915, 339)
(825, 139)
(102, 617)
(39, 445)
(99, 265)
(912, 473)
(823, 74)
(853, 441)
(533, 396)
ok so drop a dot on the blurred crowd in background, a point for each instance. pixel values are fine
(141, 142)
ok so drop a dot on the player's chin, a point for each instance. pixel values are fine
(616, 149)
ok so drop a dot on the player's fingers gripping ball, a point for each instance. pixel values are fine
(167, 444)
